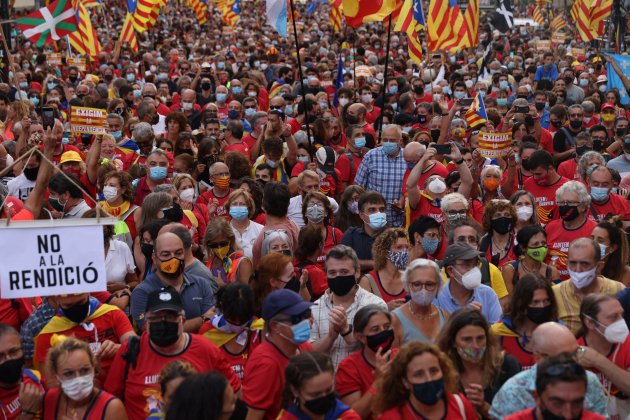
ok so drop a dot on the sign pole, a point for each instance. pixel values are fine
(299, 63)
(389, 35)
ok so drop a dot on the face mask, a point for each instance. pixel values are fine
(556, 123)
(187, 106)
(400, 259)
(471, 354)
(11, 370)
(264, 66)
(471, 279)
(288, 109)
(163, 333)
(172, 267)
(502, 101)
(221, 97)
(393, 89)
(524, 213)
(382, 340)
(78, 388)
(221, 252)
(237, 90)
(539, 106)
(435, 134)
(34, 100)
(352, 119)
(23, 85)
(538, 253)
(77, 312)
(569, 213)
(147, 250)
(51, 86)
(608, 117)
(620, 131)
(599, 193)
(503, 84)
(56, 204)
(583, 82)
(341, 285)
(249, 112)
(110, 193)
(252, 94)
(539, 315)
(31, 173)
(206, 85)
(617, 332)
(116, 134)
(301, 332)
(321, 405)
(422, 297)
(187, 195)
(390, 147)
(602, 251)
(315, 213)
(222, 182)
(458, 132)
(584, 278)
(429, 393)
(459, 95)
(437, 97)
(491, 184)
(173, 213)
(575, 124)
(239, 212)
(343, 101)
(157, 173)
(353, 207)
(359, 142)
(430, 245)
(377, 221)
(366, 99)
(436, 186)
(455, 217)
(446, 90)
(272, 163)
(502, 225)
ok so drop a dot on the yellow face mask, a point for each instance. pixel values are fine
(172, 266)
(221, 252)
(608, 117)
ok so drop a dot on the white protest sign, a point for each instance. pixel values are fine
(42, 259)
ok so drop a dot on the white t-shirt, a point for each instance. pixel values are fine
(246, 240)
(118, 262)
(20, 187)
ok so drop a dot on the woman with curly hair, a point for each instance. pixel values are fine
(477, 357)
(316, 210)
(391, 255)
(497, 245)
(421, 383)
(613, 243)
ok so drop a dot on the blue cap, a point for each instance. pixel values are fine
(283, 301)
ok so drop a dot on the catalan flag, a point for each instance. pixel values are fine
(476, 114)
(364, 11)
(558, 23)
(128, 33)
(231, 12)
(589, 17)
(92, 3)
(335, 14)
(414, 47)
(140, 11)
(411, 20)
(200, 7)
(275, 89)
(538, 16)
(394, 15)
(445, 25)
(84, 40)
(471, 22)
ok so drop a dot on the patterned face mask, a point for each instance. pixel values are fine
(399, 259)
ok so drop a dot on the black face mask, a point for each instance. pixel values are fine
(502, 225)
(77, 312)
(31, 173)
(11, 370)
(621, 131)
(164, 333)
(181, 151)
(548, 415)
(419, 90)
(341, 285)
(422, 119)
(293, 284)
(568, 80)
(575, 124)
(382, 340)
(556, 123)
(352, 119)
(174, 213)
(321, 405)
(529, 120)
(522, 96)
(435, 134)
(568, 213)
(539, 106)
(539, 315)
(155, 119)
(598, 145)
(72, 78)
(429, 393)
(581, 150)
(206, 86)
(147, 250)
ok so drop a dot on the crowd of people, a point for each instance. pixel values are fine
(293, 246)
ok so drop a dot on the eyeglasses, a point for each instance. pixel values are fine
(277, 108)
(217, 245)
(296, 319)
(568, 203)
(12, 354)
(250, 107)
(576, 115)
(429, 287)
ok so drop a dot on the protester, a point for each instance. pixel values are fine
(203, 396)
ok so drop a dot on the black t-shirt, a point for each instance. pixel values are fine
(564, 139)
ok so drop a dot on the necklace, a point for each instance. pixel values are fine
(422, 317)
(75, 409)
(527, 269)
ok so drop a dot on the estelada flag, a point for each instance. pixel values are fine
(363, 11)
(49, 23)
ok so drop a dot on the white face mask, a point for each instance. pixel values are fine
(471, 279)
(78, 388)
(188, 195)
(615, 333)
(437, 186)
(343, 101)
(422, 297)
(524, 213)
(110, 193)
(583, 279)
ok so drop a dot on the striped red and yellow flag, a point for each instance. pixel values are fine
(128, 33)
(445, 25)
(538, 16)
(84, 40)
(471, 20)
(589, 17)
(275, 89)
(335, 15)
(200, 7)
(414, 47)
(557, 23)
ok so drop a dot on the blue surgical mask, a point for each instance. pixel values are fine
(23, 85)
(390, 147)
(301, 332)
(51, 85)
(447, 90)
(502, 101)
(131, 77)
(249, 112)
(460, 95)
(34, 100)
(221, 65)
(503, 84)
(599, 193)
(239, 212)
(221, 97)
(288, 109)
(137, 93)
(359, 142)
(157, 173)
(393, 89)
(237, 90)
(430, 245)
(116, 134)
(377, 220)
(272, 163)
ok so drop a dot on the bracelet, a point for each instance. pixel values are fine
(459, 162)
(28, 413)
(347, 332)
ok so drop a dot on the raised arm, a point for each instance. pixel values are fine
(34, 201)
(413, 190)
(92, 160)
(465, 187)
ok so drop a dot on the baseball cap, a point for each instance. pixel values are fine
(13, 205)
(602, 79)
(608, 105)
(459, 252)
(283, 301)
(70, 156)
(326, 159)
(206, 65)
(164, 299)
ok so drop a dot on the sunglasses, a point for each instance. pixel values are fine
(296, 319)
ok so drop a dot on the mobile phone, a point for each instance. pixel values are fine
(466, 102)
(442, 149)
(436, 56)
(48, 117)
(522, 109)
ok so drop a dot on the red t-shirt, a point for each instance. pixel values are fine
(407, 412)
(14, 312)
(619, 355)
(546, 140)
(141, 390)
(241, 148)
(317, 276)
(295, 125)
(237, 361)
(264, 378)
(64, 148)
(558, 240)
(372, 115)
(545, 197)
(205, 198)
(347, 171)
(250, 141)
(109, 326)
(333, 238)
(528, 414)
(615, 205)
(327, 185)
(436, 169)
(10, 407)
(568, 169)
(354, 374)
(426, 207)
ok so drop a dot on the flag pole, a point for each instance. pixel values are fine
(299, 63)
(389, 35)
(11, 71)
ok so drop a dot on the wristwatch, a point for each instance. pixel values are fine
(347, 332)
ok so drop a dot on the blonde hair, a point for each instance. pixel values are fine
(62, 347)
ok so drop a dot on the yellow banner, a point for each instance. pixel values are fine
(54, 59)
(78, 62)
(494, 145)
(87, 120)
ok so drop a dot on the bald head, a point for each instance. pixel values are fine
(551, 339)
(413, 151)
(167, 241)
